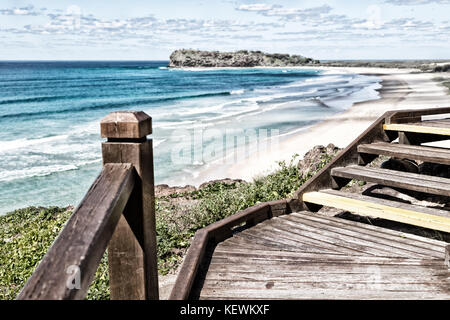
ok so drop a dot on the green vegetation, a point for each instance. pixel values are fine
(442, 68)
(26, 234)
(422, 65)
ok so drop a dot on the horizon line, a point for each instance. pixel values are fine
(162, 60)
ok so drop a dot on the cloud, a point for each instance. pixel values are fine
(292, 14)
(373, 21)
(312, 27)
(24, 11)
(258, 7)
(415, 2)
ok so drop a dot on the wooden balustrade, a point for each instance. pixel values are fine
(117, 212)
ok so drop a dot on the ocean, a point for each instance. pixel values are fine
(50, 144)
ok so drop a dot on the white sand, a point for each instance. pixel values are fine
(402, 89)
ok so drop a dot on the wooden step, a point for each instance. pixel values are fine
(426, 127)
(397, 179)
(422, 153)
(380, 208)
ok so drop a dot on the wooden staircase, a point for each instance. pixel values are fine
(297, 249)
(387, 209)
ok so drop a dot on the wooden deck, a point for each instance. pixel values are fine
(292, 248)
(311, 256)
(287, 250)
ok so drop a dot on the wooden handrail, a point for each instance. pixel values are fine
(218, 232)
(117, 212)
(80, 246)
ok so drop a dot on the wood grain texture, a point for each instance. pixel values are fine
(126, 124)
(378, 236)
(140, 218)
(83, 240)
(183, 285)
(388, 210)
(397, 179)
(422, 153)
(406, 272)
(426, 128)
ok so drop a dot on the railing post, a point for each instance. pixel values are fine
(132, 252)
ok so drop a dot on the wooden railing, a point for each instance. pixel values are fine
(117, 212)
(218, 232)
(223, 229)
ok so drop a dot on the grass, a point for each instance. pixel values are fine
(26, 234)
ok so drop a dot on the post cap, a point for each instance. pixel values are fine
(126, 124)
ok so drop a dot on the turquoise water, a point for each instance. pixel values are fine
(50, 146)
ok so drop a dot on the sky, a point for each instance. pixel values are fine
(151, 30)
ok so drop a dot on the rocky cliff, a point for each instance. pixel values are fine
(243, 58)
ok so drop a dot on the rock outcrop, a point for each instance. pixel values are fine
(243, 58)
(313, 158)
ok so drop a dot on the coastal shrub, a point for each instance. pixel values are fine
(442, 68)
(26, 234)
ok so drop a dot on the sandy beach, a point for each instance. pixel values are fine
(401, 89)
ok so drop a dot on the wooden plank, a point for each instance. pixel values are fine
(330, 240)
(389, 247)
(320, 293)
(369, 287)
(398, 236)
(311, 258)
(237, 253)
(393, 275)
(422, 153)
(436, 123)
(399, 240)
(418, 128)
(371, 284)
(257, 245)
(221, 265)
(188, 271)
(302, 241)
(371, 208)
(396, 179)
(398, 204)
(82, 242)
(282, 243)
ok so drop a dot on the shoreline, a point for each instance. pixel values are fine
(400, 89)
